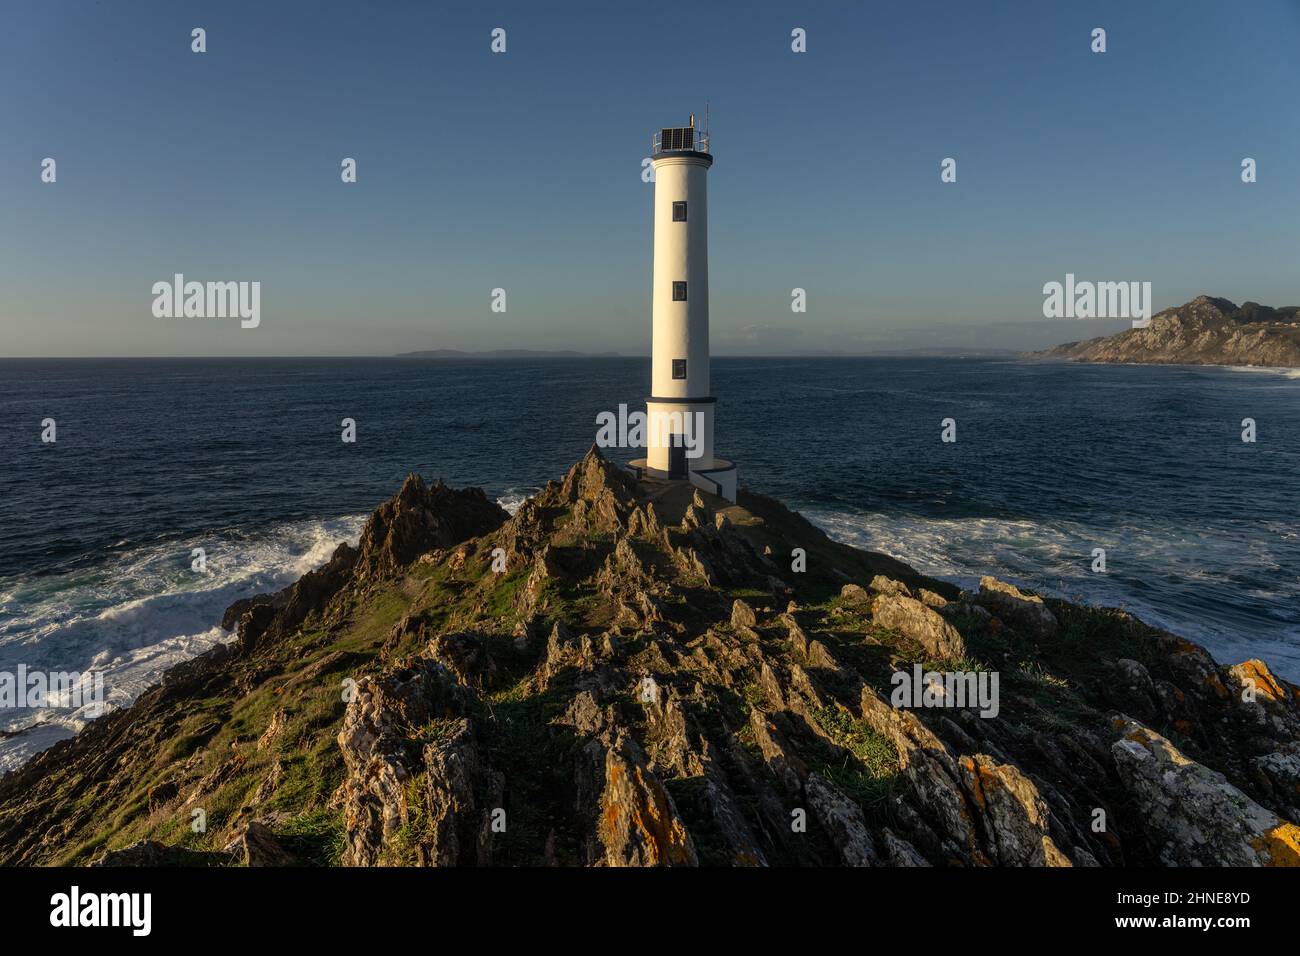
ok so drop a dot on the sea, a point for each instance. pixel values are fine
(237, 467)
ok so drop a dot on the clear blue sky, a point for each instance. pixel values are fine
(522, 170)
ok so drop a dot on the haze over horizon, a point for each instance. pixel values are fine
(522, 171)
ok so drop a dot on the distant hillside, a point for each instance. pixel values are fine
(1205, 331)
(501, 354)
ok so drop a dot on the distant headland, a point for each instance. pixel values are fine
(1205, 331)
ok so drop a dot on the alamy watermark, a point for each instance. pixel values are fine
(626, 429)
(74, 908)
(1098, 300)
(922, 688)
(208, 300)
(35, 689)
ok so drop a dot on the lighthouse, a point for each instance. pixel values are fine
(680, 410)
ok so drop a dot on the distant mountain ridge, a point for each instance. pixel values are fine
(501, 354)
(1204, 331)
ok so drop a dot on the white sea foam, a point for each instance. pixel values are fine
(1188, 582)
(1282, 371)
(139, 613)
(512, 498)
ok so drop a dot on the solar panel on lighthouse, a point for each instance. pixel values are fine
(680, 137)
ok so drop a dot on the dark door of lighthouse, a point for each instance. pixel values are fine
(677, 459)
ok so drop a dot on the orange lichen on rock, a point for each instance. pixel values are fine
(1280, 846)
(1255, 674)
(639, 824)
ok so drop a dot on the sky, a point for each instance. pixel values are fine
(522, 170)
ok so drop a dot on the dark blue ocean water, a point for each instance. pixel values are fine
(243, 458)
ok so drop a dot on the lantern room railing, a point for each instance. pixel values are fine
(679, 138)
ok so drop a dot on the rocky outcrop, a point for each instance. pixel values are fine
(915, 621)
(635, 822)
(1198, 818)
(419, 519)
(152, 854)
(645, 684)
(418, 788)
(256, 845)
(1008, 602)
(1205, 331)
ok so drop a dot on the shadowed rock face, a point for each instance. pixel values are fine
(419, 519)
(1205, 331)
(648, 683)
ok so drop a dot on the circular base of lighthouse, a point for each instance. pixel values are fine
(720, 478)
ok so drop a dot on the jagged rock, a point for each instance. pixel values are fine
(1133, 689)
(819, 656)
(771, 686)
(565, 650)
(742, 615)
(673, 746)
(418, 519)
(644, 522)
(778, 588)
(843, 820)
(270, 783)
(267, 617)
(1014, 814)
(930, 599)
(1278, 776)
(798, 639)
(914, 620)
(465, 656)
(729, 817)
(230, 619)
(883, 585)
(274, 728)
(412, 756)
(694, 564)
(855, 594)
(1021, 610)
(898, 852)
(788, 768)
(465, 693)
(151, 853)
(256, 845)
(636, 821)
(1265, 699)
(530, 600)
(459, 557)
(216, 778)
(1194, 815)
(609, 492)
(932, 772)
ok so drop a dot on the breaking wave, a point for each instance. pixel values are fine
(140, 612)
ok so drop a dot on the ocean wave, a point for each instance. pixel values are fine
(1197, 584)
(512, 498)
(137, 614)
(1283, 371)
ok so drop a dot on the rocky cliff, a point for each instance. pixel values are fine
(1205, 331)
(633, 675)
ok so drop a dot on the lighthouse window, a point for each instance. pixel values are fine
(679, 368)
(679, 291)
(679, 212)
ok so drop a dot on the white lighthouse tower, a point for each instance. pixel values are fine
(680, 409)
